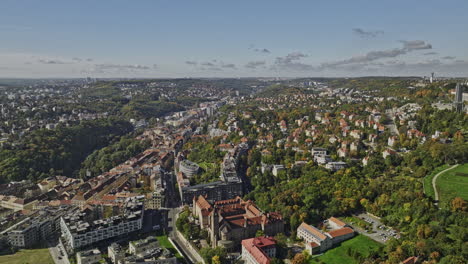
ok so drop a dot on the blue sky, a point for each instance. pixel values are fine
(232, 38)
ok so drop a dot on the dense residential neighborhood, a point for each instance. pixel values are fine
(233, 132)
(293, 170)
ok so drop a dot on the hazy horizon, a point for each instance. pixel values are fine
(213, 39)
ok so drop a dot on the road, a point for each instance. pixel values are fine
(55, 253)
(171, 226)
(436, 193)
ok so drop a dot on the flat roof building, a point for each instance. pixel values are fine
(80, 229)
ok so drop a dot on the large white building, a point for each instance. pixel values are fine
(319, 241)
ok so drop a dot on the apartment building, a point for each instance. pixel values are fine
(80, 229)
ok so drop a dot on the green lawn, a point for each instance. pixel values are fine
(453, 183)
(362, 244)
(28, 256)
(164, 242)
(428, 190)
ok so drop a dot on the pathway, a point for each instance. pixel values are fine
(436, 193)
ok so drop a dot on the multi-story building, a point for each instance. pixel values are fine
(188, 168)
(80, 229)
(139, 247)
(92, 256)
(335, 165)
(140, 252)
(36, 228)
(230, 221)
(311, 234)
(218, 190)
(15, 203)
(458, 102)
(24, 235)
(155, 200)
(319, 241)
(229, 186)
(258, 250)
(115, 253)
(322, 159)
(318, 151)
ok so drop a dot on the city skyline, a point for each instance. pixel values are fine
(50, 39)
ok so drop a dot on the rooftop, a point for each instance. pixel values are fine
(340, 232)
(313, 231)
(255, 247)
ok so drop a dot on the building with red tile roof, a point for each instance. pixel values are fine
(258, 250)
(336, 223)
(319, 241)
(230, 221)
(340, 232)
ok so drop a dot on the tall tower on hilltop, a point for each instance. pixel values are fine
(431, 79)
(458, 101)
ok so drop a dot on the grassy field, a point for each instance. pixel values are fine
(362, 244)
(428, 190)
(28, 256)
(453, 183)
(164, 242)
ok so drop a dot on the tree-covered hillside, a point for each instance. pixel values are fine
(59, 151)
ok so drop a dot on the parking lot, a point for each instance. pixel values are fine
(378, 231)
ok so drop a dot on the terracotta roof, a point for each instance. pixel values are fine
(313, 231)
(237, 212)
(252, 209)
(337, 221)
(203, 203)
(236, 222)
(254, 247)
(341, 232)
(108, 197)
